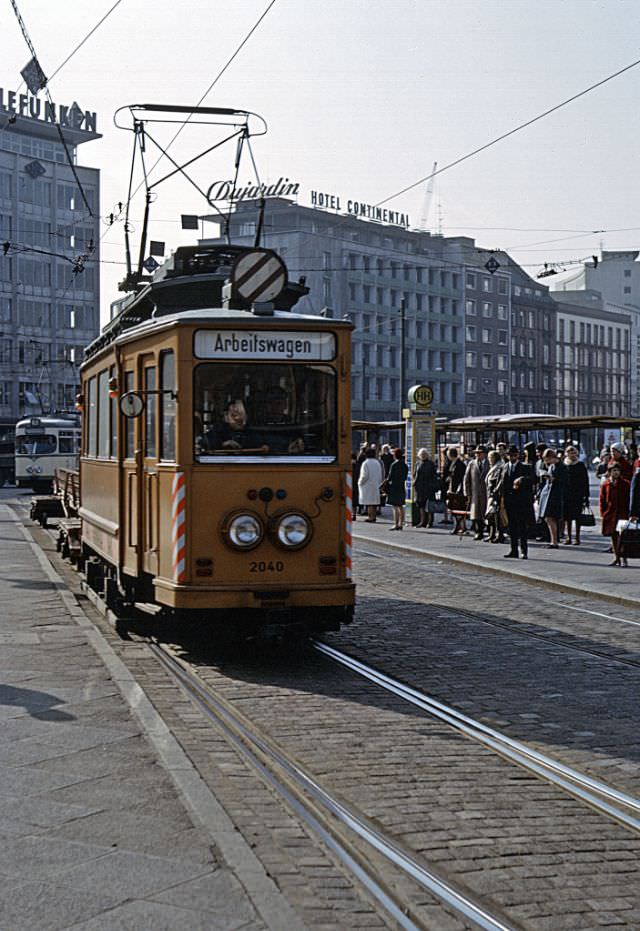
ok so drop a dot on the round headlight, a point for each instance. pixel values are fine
(245, 531)
(293, 530)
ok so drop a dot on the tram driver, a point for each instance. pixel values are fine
(234, 431)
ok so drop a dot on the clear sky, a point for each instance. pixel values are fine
(362, 97)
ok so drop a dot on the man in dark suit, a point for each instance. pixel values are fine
(517, 486)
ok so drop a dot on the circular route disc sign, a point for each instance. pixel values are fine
(259, 275)
(421, 396)
(131, 404)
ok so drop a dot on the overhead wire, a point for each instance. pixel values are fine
(511, 132)
(80, 44)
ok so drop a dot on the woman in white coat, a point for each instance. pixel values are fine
(369, 481)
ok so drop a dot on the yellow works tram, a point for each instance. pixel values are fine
(215, 467)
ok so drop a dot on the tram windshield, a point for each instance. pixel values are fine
(264, 410)
(35, 445)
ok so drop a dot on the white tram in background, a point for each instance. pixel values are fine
(44, 444)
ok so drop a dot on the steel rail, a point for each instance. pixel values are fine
(588, 790)
(251, 744)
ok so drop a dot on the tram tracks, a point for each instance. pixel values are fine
(623, 808)
(345, 829)
(516, 626)
(323, 811)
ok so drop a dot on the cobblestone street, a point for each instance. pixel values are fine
(554, 670)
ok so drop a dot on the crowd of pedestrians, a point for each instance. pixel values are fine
(508, 494)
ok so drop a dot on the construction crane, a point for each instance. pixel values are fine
(428, 197)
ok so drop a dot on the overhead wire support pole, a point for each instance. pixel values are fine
(402, 355)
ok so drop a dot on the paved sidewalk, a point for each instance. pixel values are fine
(105, 824)
(582, 569)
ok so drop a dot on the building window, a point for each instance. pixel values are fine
(502, 286)
(627, 290)
(471, 280)
(326, 261)
(502, 312)
(326, 290)
(353, 258)
(487, 360)
(455, 281)
(366, 293)
(380, 266)
(471, 359)
(502, 387)
(502, 337)
(487, 309)
(472, 384)
(627, 273)
(352, 291)
(486, 284)
(486, 335)
(366, 264)
(470, 307)
(503, 363)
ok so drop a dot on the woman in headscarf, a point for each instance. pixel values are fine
(614, 506)
(369, 481)
(619, 457)
(425, 486)
(495, 523)
(577, 492)
(397, 494)
(551, 502)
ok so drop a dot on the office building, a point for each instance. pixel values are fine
(49, 272)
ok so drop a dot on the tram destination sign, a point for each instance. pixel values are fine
(264, 344)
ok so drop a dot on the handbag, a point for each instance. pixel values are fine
(435, 506)
(385, 487)
(456, 501)
(629, 538)
(587, 518)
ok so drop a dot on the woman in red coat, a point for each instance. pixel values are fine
(614, 506)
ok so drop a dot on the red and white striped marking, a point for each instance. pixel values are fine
(259, 275)
(348, 522)
(178, 526)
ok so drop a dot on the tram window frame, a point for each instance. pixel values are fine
(92, 417)
(150, 412)
(168, 406)
(113, 419)
(234, 374)
(129, 429)
(103, 415)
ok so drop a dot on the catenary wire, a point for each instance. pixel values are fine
(208, 90)
(88, 36)
(34, 56)
(511, 132)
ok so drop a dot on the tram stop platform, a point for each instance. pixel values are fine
(580, 570)
(105, 823)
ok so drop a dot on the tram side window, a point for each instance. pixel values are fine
(113, 421)
(92, 417)
(167, 407)
(151, 402)
(103, 414)
(129, 422)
